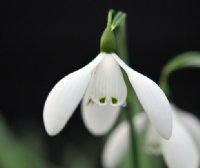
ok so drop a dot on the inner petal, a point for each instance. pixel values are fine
(107, 83)
(152, 141)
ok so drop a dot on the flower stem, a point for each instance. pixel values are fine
(132, 103)
(133, 139)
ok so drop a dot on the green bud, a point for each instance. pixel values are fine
(108, 42)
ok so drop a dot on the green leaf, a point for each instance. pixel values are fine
(81, 155)
(119, 17)
(186, 60)
(110, 17)
(16, 152)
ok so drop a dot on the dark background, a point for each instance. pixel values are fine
(42, 41)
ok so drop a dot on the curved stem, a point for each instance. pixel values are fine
(118, 19)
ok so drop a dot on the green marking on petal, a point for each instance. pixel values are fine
(155, 145)
(102, 100)
(114, 100)
(90, 101)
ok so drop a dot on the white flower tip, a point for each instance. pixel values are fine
(97, 132)
(51, 132)
(163, 123)
(99, 119)
(51, 127)
(167, 133)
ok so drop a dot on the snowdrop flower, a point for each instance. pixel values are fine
(102, 87)
(181, 150)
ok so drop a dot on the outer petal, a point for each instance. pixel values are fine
(152, 99)
(180, 151)
(116, 146)
(193, 126)
(65, 96)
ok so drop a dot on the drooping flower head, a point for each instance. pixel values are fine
(181, 150)
(102, 87)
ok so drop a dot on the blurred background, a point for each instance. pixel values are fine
(42, 41)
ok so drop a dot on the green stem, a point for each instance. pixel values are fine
(119, 17)
(122, 42)
(132, 102)
(133, 139)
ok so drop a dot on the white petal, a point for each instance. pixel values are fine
(152, 99)
(65, 96)
(180, 151)
(152, 141)
(97, 118)
(107, 83)
(193, 126)
(152, 138)
(140, 121)
(116, 146)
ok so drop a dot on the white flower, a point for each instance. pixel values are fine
(182, 150)
(102, 85)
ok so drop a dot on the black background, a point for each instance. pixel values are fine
(42, 41)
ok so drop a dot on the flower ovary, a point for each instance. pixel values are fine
(108, 41)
